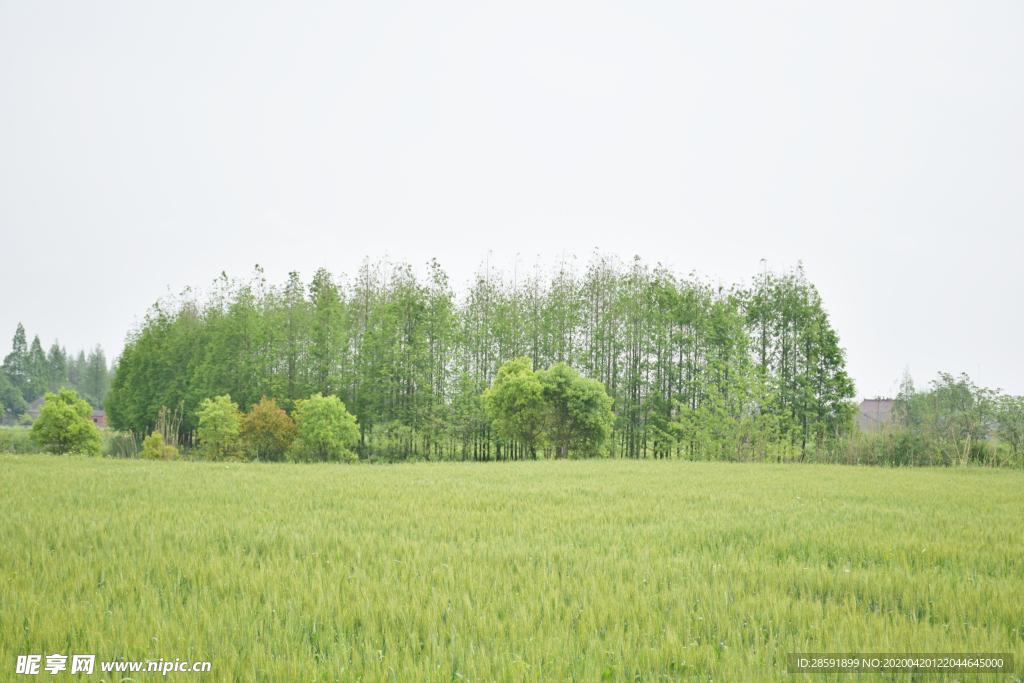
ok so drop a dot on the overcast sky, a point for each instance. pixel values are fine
(147, 146)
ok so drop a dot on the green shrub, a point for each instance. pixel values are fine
(219, 426)
(154, 448)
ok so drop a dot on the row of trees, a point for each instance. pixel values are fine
(748, 371)
(322, 430)
(28, 372)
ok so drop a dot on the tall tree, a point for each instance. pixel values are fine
(76, 366)
(16, 365)
(799, 352)
(327, 333)
(57, 359)
(97, 376)
(38, 368)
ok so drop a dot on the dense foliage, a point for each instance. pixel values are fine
(28, 372)
(691, 368)
(322, 430)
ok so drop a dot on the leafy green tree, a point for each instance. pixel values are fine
(1009, 416)
(517, 404)
(469, 417)
(65, 425)
(39, 369)
(290, 314)
(219, 426)
(267, 431)
(579, 411)
(327, 431)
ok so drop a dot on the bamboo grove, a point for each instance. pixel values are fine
(696, 370)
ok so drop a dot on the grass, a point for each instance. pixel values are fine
(535, 571)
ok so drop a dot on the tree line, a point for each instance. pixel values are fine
(691, 368)
(28, 372)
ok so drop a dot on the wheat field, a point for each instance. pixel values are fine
(530, 571)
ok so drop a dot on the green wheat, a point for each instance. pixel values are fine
(531, 571)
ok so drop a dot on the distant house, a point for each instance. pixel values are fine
(34, 407)
(874, 413)
(99, 417)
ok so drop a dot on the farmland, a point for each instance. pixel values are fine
(528, 571)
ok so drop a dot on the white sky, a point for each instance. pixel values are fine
(153, 145)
